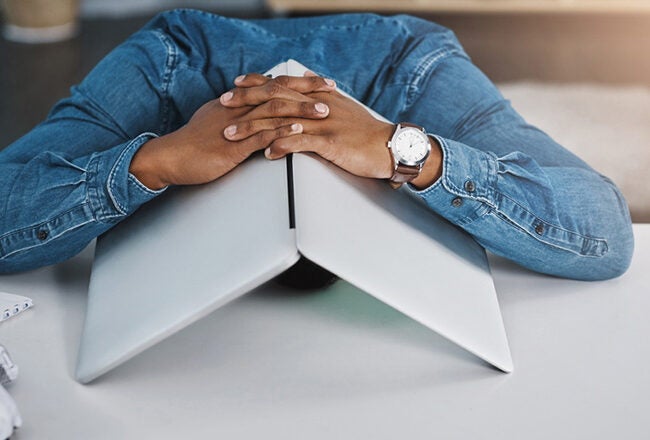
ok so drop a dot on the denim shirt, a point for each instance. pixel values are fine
(508, 184)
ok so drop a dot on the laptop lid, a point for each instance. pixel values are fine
(393, 247)
(390, 245)
(181, 256)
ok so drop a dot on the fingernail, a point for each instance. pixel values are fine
(230, 130)
(226, 97)
(240, 78)
(321, 108)
(296, 128)
(267, 153)
(330, 82)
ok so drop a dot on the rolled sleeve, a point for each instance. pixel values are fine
(466, 184)
(511, 199)
(55, 205)
(114, 192)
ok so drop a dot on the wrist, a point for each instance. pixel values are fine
(385, 131)
(146, 164)
(432, 168)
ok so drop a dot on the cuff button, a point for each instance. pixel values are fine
(457, 202)
(470, 186)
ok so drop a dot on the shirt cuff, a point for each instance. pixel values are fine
(466, 185)
(114, 192)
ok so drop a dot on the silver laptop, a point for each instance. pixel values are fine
(194, 249)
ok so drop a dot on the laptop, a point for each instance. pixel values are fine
(194, 249)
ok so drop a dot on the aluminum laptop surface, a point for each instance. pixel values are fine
(182, 256)
(393, 247)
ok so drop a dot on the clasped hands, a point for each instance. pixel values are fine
(280, 116)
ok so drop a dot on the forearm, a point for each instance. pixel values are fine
(564, 221)
(53, 205)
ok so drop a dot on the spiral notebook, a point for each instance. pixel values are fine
(194, 249)
(12, 305)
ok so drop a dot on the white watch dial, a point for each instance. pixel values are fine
(411, 146)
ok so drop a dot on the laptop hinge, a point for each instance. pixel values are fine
(292, 213)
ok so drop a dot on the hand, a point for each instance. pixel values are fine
(349, 137)
(206, 148)
(272, 95)
(352, 138)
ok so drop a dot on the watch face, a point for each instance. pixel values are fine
(411, 146)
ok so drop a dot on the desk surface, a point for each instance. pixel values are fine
(339, 364)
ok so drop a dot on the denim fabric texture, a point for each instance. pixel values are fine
(519, 193)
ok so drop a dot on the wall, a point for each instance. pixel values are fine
(118, 8)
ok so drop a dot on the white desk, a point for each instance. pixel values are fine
(340, 365)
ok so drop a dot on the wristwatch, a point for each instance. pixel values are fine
(409, 147)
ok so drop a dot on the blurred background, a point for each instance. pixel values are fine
(579, 69)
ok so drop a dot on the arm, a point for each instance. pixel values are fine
(60, 187)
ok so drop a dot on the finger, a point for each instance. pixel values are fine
(264, 138)
(283, 108)
(296, 144)
(251, 96)
(303, 84)
(306, 84)
(243, 129)
(251, 80)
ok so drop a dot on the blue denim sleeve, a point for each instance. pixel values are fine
(72, 201)
(513, 207)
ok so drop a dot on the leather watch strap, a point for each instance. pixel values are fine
(408, 124)
(402, 174)
(405, 173)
